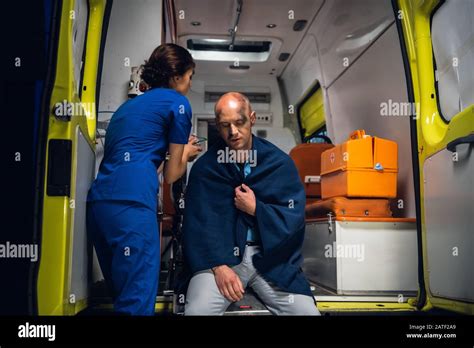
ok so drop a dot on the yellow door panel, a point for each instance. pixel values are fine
(433, 132)
(54, 278)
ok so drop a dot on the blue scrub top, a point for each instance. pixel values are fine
(136, 143)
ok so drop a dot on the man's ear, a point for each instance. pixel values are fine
(253, 118)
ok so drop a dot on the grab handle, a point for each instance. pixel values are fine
(468, 139)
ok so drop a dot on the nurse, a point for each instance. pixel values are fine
(122, 201)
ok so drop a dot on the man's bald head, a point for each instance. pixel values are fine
(234, 100)
(234, 120)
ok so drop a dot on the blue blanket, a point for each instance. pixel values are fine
(214, 230)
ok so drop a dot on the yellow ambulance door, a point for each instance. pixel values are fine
(62, 285)
(439, 39)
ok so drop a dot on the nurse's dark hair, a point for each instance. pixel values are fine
(166, 61)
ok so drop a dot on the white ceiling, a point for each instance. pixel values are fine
(218, 16)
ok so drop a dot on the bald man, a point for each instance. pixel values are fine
(244, 221)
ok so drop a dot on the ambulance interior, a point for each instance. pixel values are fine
(315, 72)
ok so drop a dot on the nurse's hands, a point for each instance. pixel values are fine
(228, 283)
(191, 151)
(245, 200)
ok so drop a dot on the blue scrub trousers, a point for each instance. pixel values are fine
(125, 235)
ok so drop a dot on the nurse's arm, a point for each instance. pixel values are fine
(179, 157)
(176, 165)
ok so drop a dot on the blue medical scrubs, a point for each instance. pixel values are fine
(122, 201)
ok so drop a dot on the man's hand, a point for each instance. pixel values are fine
(228, 283)
(245, 201)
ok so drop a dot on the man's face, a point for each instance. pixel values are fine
(235, 123)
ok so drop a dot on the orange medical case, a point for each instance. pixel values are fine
(363, 166)
(307, 158)
(349, 207)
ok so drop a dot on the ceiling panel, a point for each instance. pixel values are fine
(217, 17)
(344, 29)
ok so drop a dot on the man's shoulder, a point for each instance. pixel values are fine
(203, 162)
(271, 150)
